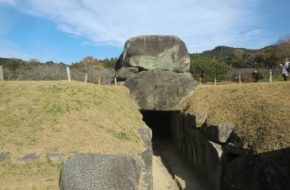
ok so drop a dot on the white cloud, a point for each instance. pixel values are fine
(202, 24)
(11, 2)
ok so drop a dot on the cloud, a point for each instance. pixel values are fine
(201, 24)
(10, 2)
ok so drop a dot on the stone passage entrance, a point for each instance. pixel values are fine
(170, 170)
(159, 122)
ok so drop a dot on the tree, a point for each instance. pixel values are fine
(282, 49)
(89, 62)
(109, 62)
(208, 67)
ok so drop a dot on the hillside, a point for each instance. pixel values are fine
(225, 63)
(226, 51)
(43, 123)
(259, 112)
(269, 56)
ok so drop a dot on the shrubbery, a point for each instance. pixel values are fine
(208, 67)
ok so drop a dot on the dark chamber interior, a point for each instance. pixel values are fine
(159, 122)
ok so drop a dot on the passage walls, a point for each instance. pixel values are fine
(216, 155)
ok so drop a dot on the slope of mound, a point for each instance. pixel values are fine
(44, 121)
(259, 112)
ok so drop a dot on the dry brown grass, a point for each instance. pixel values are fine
(66, 117)
(30, 176)
(260, 112)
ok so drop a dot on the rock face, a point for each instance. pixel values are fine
(155, 52)
(218, 133)
(3, 156)
(97, 171)
(146, 180)
(205, 156)
(56, 157)
(29, 157)
(126, 72)
(103, 171)
(265, 171)
(221, 160)
(160, 90)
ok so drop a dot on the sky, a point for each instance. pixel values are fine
(69, 30)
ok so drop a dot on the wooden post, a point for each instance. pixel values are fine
(270, 78)
(215, 81)
(200, 80)
(99, 80)
(1, 74)
(86, 78)
(240, 79)
(115, 81)
(68, 73)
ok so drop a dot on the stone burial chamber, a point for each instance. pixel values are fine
(214, 151)
(154, 69)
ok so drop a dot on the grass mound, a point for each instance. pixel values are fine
(260, 112)
(61, 117)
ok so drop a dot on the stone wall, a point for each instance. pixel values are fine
(218, 155)
(205, 156)
(265, 171)
(89, 171)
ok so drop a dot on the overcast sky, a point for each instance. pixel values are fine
(68, 30)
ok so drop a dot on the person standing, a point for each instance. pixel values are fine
(285, 69)
(255, 75)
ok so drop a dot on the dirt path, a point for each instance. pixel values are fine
(162, 180)
(171, 172)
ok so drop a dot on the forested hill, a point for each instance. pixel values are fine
(226, 51)
(225, 63)
(269, 56)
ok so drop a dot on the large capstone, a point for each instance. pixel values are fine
(155, 52)
(160, 90)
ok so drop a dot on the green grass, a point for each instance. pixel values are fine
(60, 116)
